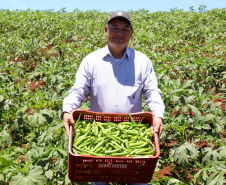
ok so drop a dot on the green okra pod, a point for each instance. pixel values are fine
(88, 127)
(86, 143)
(98, 145)
(140, 151)
(136, 144)
(77, 122)
(116, 144)
(113, 151)
(79, 140)
(131, 119)
(119, 154)
(85, 152)
(112, 139)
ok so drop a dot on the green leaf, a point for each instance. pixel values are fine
(5, 137)
(67, 180)
(1, 177)
(221, 178)
(183, 153)
(49, 174)
(5, 163)
(212, 91)
(211, 180)
(1, 98)
(174, 91)
(33, 177)
(187, 83)
(62, 152)
(205, 175)
(222, 153)
(84, 105)
(192, 149)
(211, 155)
(47, 112)
(208, 117)
(172, 181)
(37, 118)
(206, 126)
(195, 110)
(197, 174)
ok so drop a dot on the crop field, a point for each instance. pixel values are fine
(40, 52)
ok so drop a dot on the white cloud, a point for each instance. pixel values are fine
(18, 4)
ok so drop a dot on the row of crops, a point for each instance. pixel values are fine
(40, 54)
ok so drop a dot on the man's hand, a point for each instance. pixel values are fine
(68, 120)
(158, 126)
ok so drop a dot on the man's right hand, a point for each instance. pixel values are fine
(68, 120)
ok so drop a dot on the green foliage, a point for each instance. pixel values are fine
(32, 177)
(39, 57)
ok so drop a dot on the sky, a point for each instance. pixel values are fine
(110, 5)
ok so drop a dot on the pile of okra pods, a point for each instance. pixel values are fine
(125, 139)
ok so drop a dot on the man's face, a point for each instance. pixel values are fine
(118, 33)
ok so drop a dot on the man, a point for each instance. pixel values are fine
(116, 77)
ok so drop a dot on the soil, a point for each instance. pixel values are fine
(33, 85)
(165, 172)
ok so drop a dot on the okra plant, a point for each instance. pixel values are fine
(40, 55)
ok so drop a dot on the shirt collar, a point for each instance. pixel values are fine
(108, 52)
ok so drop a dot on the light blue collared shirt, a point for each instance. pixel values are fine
(116, 87)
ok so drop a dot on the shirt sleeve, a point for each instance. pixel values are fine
(79, 90)
(152, 94)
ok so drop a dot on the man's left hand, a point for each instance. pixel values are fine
(158, 126)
